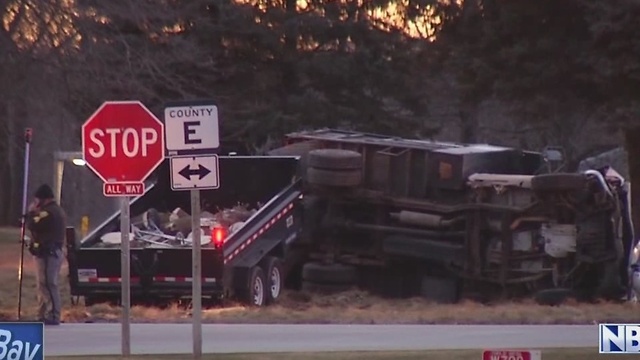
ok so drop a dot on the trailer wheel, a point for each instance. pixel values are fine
(343, 178)
(273, 269)
(258, 287)
(335, 159)
(255, 293)
(334, 274)
(558, 182)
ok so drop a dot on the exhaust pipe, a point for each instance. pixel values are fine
(423, 219)
(601, 180)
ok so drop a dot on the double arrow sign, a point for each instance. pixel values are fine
(194, 172)
(188, 172)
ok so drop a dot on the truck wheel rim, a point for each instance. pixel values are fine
(275, 282)
(258, 291)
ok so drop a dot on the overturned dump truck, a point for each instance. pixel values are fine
(337, 209)
(446, 220)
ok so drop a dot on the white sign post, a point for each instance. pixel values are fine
(192, 139)
(125, 274)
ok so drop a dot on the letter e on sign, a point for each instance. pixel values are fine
(123, 142)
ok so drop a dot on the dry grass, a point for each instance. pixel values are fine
(348, 308)
(551, 354)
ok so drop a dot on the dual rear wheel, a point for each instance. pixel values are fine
(264, 283)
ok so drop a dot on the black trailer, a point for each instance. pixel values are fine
(249, 264)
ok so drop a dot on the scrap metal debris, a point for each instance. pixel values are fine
(158, 229)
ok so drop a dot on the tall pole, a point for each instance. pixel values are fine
(25, 188)
(196, 274)
(125, 230)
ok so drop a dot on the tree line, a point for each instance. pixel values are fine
(519, 72)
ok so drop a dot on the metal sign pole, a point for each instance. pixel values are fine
(25, 188)
(196, 274)
(125, 230)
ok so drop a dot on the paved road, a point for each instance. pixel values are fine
(104, 339)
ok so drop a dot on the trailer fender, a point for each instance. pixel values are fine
(239, 277)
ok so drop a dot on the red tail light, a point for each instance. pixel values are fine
(218, 234)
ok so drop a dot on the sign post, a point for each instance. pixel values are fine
(192, 142)
(28, 133)
(196, 285)
(125, 271)
(123, 143)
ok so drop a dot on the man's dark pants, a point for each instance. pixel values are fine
(49, 305)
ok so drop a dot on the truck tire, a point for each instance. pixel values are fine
(558, 182)
(296, 149)
(300, 149)
(345, 178)
(255, 293)
(273, 270)
(320, 288)
(330, 274)
(553, 297)
(335, 159)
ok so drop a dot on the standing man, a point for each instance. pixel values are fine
(46, 221)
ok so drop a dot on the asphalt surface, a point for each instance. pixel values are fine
(105, 339)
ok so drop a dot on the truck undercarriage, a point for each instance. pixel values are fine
(451, 220)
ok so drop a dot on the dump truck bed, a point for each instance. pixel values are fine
(266, 184)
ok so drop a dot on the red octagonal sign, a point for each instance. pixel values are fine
(123, 143)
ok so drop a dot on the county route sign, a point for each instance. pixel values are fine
(123, 143)
(192, 127)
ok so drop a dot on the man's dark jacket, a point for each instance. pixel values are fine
(47, 225)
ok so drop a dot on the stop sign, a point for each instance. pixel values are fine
(123, 142)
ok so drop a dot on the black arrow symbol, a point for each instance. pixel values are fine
(201, 171)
